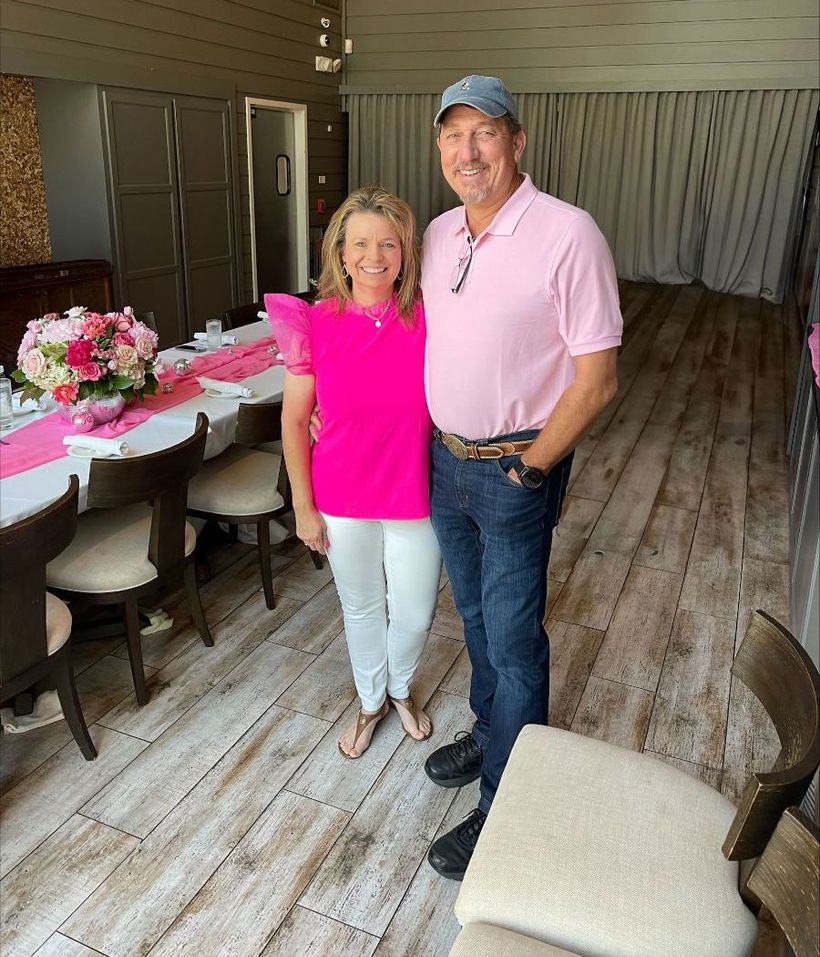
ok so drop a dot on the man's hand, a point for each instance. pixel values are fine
(315, 425)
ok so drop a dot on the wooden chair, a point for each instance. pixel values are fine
(248, 486)
(605, 852)
(242, 315)
(148, 318)
(786, 880)
(35, 627)
(119, 556)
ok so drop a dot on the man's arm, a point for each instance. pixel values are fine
(596, 382)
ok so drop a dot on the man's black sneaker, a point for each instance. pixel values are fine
(455, 764)
(451, 853)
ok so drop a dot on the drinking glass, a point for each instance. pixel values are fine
(213, 330)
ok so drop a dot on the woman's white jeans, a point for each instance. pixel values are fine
(387, 575)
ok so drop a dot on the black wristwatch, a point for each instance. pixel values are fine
(529, 476)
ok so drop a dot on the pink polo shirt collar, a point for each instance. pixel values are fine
(508, 217)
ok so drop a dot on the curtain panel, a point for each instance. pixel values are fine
(689, 186)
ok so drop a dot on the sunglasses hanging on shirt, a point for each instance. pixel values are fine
(462, 268)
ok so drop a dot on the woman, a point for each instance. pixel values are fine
(361, 495)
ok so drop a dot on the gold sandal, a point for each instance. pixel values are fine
(362, 721)
(409, 704)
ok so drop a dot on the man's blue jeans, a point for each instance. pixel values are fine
(495, 537)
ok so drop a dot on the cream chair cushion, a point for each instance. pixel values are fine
(239, 482)
(109, 552)
(484, 940)
(58, 623)
(604, 851)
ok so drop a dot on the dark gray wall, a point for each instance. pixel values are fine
(68, 116)
(422, 46)
(214, 48)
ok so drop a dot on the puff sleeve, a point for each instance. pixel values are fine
(289, 318)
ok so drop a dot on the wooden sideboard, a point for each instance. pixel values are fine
(27, 292)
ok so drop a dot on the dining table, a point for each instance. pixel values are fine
(26, 492)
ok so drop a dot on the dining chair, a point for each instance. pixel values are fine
(35, 626)
(786, 880)
(242, 315)
(136, 539)
(247, 486)
(148, 318)
(611, 853)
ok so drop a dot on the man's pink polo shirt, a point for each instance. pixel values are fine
(540, 289)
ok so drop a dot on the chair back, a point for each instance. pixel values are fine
(161, 477)
(259, 422)
(148, 318)
(786, 880)
(25, 549)
(777, 670)
(242, 315)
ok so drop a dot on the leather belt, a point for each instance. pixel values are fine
(481, 450)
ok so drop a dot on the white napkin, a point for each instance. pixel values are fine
(228, 388)
(47, 710)
(262, 314)
(109, 446)
(228, 338)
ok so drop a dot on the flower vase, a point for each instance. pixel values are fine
(88, 413)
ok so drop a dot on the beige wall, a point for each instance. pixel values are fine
(202, 47)
(580, 45)
(23, 225)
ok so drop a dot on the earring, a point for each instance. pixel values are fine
(400, 275)
(345, 273)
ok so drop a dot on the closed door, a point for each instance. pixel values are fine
(202, 129)
(273, 144)
(169, 163)
(145, 206)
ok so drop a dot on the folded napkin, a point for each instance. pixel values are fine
(228, 338)
(95, 444)
(228, 388)
(47, 710)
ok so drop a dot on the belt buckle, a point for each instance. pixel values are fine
(454, 445)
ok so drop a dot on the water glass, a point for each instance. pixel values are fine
(213, 330)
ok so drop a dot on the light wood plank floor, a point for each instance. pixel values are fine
(220, 818)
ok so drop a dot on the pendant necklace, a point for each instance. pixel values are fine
(377, 320)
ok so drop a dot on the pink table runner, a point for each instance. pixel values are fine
(42, 441)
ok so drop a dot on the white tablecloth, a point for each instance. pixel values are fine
(27, 492)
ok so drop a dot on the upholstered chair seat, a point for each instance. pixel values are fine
(58, 623)
(238, 482)
(485, 940)
(109, 553)
(574, 818)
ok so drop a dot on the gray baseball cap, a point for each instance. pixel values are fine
(485, 93)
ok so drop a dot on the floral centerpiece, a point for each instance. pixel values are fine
(85, 355)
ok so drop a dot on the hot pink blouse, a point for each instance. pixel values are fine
(372, 457)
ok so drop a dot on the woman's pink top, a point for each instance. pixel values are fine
(372, 457)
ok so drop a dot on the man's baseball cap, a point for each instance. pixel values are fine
(485, 93)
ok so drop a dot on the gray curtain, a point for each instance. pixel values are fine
(685, 186)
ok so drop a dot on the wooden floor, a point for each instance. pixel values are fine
(220, 818)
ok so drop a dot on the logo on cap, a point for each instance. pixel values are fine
(465, 85)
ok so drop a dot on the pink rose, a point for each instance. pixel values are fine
(144, 347)
(79, 353)
(65, 393)
(90, 372)
(49, 317)
(123, 324)
(122, 339)
(34, 363)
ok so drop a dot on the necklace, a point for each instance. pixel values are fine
(377, 320)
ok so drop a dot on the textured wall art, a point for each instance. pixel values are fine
(24, 234)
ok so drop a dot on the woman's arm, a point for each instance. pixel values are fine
(299, 399)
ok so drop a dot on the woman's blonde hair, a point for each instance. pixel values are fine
(372, 199)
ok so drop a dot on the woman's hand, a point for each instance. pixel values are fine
(311, 529)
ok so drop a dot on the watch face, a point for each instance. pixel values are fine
(529, 477)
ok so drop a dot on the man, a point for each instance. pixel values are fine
(523, 325)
